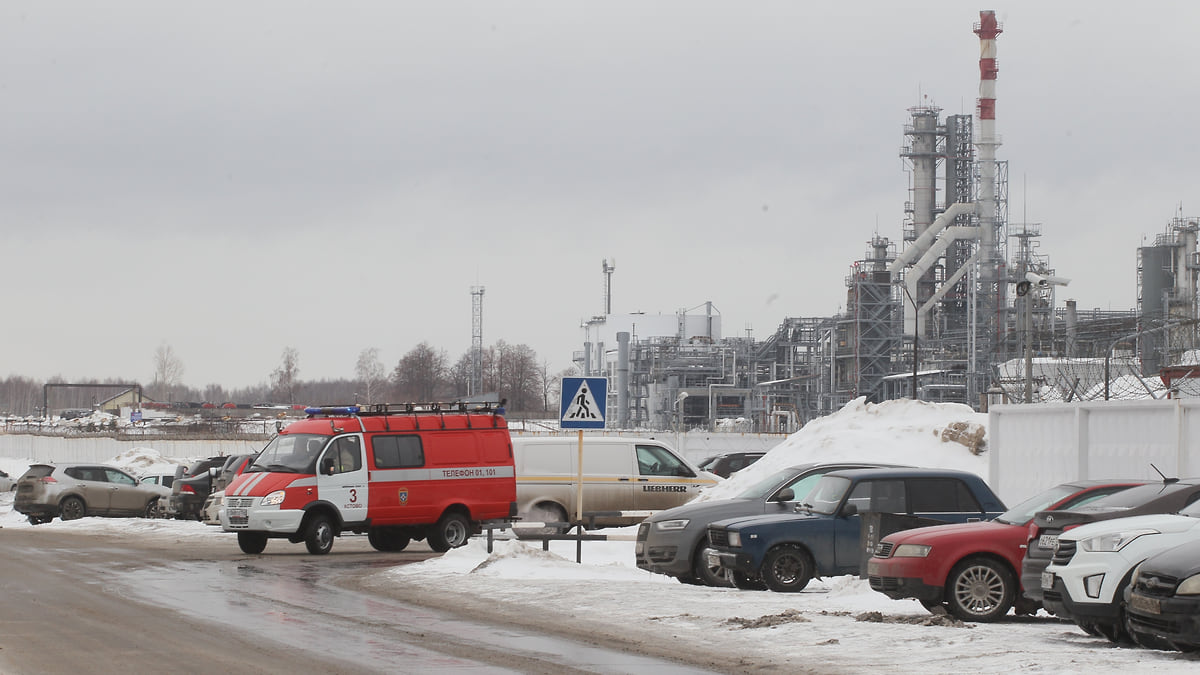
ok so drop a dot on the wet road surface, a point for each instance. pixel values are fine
(279, 610)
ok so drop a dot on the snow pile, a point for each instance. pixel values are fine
(146, 462)
(894, 432)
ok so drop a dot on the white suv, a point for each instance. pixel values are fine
(1092, 565)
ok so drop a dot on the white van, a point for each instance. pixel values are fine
(619, 474)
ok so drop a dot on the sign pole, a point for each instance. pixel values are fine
(579, 484)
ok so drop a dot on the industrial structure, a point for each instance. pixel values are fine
(962, 309)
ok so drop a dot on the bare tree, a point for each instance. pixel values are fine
(421, 374)
(371, 373)
(168, 370)
(284, 378)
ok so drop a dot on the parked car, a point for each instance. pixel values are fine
(973, 569)
(72, 491)
(7, 484)
(1167, 496)
(729, 463)
(1093, 565)
(189, 491)
(163, 479)
(1162, 602)
(675, 542)
(785, 551)
(210, 513)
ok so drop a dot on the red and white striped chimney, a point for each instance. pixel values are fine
(987, 29)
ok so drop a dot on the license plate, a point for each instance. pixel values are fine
(1047, 581)
(237, 516)
(1048, 541)
(1145, 605)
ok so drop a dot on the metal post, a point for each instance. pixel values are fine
(1029, 348)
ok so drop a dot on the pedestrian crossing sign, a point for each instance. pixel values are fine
(583, 402)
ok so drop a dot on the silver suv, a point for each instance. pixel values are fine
(73, 491)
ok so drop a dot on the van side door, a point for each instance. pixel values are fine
(607, 477)
(663, 480)
(342, 477)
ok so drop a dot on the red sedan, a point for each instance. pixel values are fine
(973, 569)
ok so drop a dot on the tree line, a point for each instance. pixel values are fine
(424, 374)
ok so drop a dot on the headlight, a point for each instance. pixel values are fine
(273, 499)
(735, 539)
(1110, 543)
(671, 524)
(1190, 586)
(911, 551)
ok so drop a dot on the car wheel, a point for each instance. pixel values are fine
(933, 606)
(979, 589)
(152, 510)
(72, 508)
(746, 583)
(787, 569)
(706, 574)
(252, 542)
(1183, 646)
(38, 520)
(451, 531)
(1089, 628)
(319, 536)
(1115, 632)
(387, 540)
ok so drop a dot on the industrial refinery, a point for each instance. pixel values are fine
(961, 306)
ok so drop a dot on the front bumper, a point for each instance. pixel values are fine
(269, 519)
(1063, 600)
(1176, 619)
(662, 552)
(898, 578)
(739, 562)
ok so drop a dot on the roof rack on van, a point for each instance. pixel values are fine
(377, 409)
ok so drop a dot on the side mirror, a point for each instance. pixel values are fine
(785, 495)
(849, 510)
(214, 471)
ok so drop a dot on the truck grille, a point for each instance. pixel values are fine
(1157, 585)
(1064, 552)
(239, 502)
(718, 536)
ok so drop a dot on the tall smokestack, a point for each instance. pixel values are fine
(987, 29)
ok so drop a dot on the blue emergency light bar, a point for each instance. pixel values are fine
(333, 410)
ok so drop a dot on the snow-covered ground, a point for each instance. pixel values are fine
(836, 625)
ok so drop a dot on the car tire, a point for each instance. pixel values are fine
(1114, 632)
(319, 535)
(72, 508)
(979, 589)
(39, 520)
(451, 531)
(787, 569)
(387, 540)
(1089, 628)
(705, 574)
(252, 543)
(746, 583)
(152, 509)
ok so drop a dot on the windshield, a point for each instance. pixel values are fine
(828, 494)
(291, 453)
(1022, 513)
(1192, 510)
(765, 487)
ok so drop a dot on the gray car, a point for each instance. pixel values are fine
(72, 491)
(674, 541)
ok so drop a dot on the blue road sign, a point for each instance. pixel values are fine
(583, 402)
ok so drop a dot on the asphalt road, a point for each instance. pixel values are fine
(106, 604)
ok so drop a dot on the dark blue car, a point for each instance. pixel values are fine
(822, 537)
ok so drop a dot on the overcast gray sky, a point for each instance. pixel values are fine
(234, 178)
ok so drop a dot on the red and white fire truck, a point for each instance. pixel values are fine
(394, 471)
